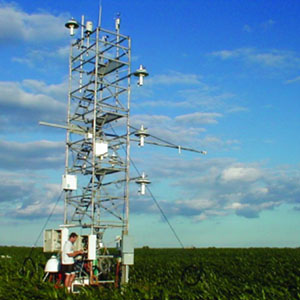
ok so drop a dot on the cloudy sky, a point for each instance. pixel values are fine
(224, 77)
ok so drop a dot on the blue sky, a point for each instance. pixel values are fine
(224, 77)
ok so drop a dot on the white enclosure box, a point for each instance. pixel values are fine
(92, 240)
(69, 182)
(101, 149)
(64, 237)
(128, 258)
(127, 244)
(52, 240)
(127, 250)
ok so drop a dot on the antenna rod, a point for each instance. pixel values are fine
(100, 14)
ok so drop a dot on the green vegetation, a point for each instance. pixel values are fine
(255, 273)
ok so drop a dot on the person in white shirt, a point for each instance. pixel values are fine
(68, 255)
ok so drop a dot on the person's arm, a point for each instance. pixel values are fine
(75, 253)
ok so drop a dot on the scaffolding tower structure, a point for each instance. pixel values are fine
(98, 130)
(97, 152)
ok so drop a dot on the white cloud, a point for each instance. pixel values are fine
(199, 218)
(17, 25)
(198, 118)
(205, 188)
(213, 142)
(22, 108)
(180, 132)
(174, 78)
(236, 109)
(31, 155)
(191, 99)
(227, 54)
(42, 202)
(42, 206)
(271, 58)
(57, 91)
(247, 28)
(197, 97)
(185, 130)
(209, 98)
(147, 120)
(13, 94)
(13, 187)
(247, 174)
(293, 80)
(261, 191)
(45, 59)
(27, 196)
(212, 187)
(268, 24)
(197, 204)
(262, 26)
(236, 205)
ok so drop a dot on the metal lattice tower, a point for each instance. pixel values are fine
(98, 130)
(98, 135)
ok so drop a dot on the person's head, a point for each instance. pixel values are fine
(73, 237)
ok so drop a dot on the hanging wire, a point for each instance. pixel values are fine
(29, 258)
(165, 217)
(153, 198)
(48, 218)
(159, 207)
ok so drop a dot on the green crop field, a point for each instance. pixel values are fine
(254, 273)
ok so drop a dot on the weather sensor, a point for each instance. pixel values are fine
(143, 181)
(88, 27)
(72, 24)
(142, 133)
(141, 73)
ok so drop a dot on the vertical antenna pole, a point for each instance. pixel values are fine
(100, 14)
